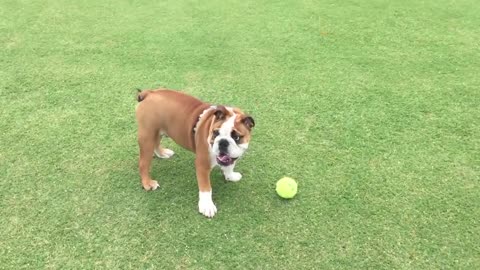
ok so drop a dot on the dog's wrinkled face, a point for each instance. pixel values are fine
(230, 135)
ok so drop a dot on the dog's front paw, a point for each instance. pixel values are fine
(233, 176)
(207, 209)
(150, 185)
(164, 153)
(206, 206)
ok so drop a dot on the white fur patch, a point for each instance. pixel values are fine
(167, 153)
(230, 175)
(205, 204)
(227, 126)
(243, 146)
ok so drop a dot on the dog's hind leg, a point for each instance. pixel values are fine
(146, 142)
(159, 151)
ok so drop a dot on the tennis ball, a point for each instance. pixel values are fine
(286, 188)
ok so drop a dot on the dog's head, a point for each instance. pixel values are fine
(229, 135)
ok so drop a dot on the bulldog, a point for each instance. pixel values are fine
(217, 134)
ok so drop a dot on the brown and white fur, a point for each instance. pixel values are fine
(218, 135)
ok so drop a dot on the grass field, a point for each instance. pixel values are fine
(373, 106)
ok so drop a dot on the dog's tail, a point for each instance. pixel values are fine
(142, 94)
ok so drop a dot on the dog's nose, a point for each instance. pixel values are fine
(223, 145)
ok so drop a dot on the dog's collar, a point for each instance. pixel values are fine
(194, 130)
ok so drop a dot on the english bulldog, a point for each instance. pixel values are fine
(218, 135)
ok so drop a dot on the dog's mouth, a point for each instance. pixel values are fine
(225, 160)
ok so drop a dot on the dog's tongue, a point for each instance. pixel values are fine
(224, 158)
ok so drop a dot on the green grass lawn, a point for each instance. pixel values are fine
(373, 106)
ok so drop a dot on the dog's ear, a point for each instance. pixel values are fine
(248, 121)
(220, 112)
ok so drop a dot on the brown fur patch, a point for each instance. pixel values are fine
(242, 130)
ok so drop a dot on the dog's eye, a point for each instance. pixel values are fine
(236, 137)
(216, 133)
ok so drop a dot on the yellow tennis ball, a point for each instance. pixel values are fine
(286, 188)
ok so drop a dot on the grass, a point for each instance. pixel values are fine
(373, 106)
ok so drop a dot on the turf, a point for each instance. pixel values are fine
(373, 106)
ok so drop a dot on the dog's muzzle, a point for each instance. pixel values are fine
(223, 159)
